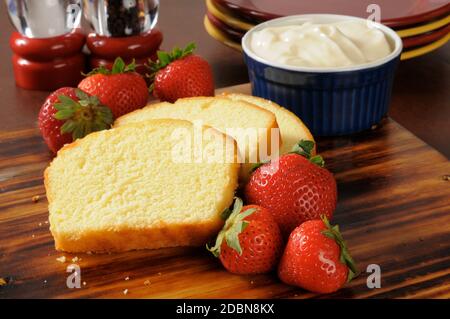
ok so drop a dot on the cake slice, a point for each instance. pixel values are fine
(292, 129)
(140, 186)
(237, 119)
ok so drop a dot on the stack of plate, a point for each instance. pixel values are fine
(424, 25)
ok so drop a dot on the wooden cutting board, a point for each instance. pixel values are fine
(393, 208)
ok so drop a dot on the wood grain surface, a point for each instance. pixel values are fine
(393, 208)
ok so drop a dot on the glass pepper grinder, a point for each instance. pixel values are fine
(123, 28)
(47, 46)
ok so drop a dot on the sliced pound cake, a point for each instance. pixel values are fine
(125, 188)
(234, 118)
(292, 129)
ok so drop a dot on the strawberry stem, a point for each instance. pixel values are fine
(334, 233)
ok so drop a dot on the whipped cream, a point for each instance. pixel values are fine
(340, 44)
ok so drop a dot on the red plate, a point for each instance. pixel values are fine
(408, 42)
(234, 34)
(425, 38)
(395, 14)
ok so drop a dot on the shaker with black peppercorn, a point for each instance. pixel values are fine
(123, 28)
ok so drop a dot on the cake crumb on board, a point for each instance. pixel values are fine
(62, 259)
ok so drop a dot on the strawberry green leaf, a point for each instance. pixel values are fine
(336, 230)
(68, 126)
(318, 160)
(351, 275)
(329, 234)
(306, 145)
(176, 53)
(84, 103)
(334, 233)
(130, 67)
(325, 221)
(165, 58)
(65, 103)
(225, 214)
(304, 148)
(83, 116)
(152, 86)
(255, 166)
(234, 225)
(64, 114)
(189, 48)
(118, 66)
(244, 225)
(232, 240)
(245, 214)
(93, 100)
(78, 132)
(81, 95)
(215, 250)
(99, 70)
(238, 204)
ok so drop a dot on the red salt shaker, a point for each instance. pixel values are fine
(48, 63)
(47, 47)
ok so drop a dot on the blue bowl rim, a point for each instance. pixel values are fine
(395, 38)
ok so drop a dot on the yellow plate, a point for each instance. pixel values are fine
(424, 28)
(227, 18)
(425, 49)
(219, 35)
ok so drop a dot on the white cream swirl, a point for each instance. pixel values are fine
(340, 44)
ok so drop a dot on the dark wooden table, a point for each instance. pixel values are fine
(394, 202)
(420, 102)
(393, 208)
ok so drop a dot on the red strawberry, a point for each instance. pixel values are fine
(68, 114)
(181, 74)
(316, 258)
(294, 187)
(250, 241)
(121, 89)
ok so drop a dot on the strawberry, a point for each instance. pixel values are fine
(316, 258)
(68, 114)
(179, 74)
(250, 241)
(121, 88)
(295, 188)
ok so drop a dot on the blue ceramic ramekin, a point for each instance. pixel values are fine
(330, 101)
